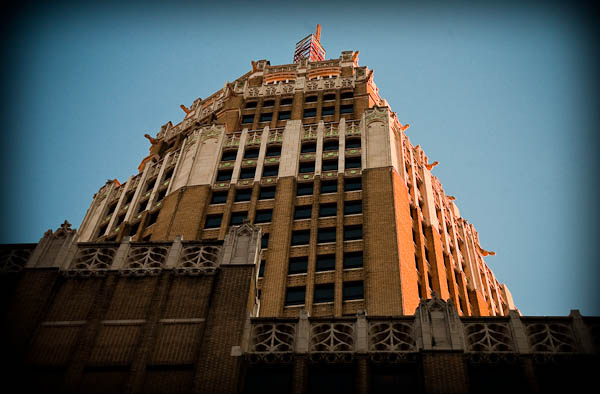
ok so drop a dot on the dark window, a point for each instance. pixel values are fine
(243, 195)
(218, 198)
(352, 207)
(247, 172)
(429, 282)
(328, 111)
(353, 291)
(331, 145)
(353, 142)
(238, 218)
(128, 198)
(111, 209)
(324, 293)
(229, 155)
(270, 170)
(298, 265)
(311, 99)
(248, 118)
(251, 104)
(266, 117)
(346, 109)
(329, 97)
(326, 235)
(427, 255)
(261, 269)
(352, 232)
(353, 162)
(351, 184)
(169, 174)
(264, 216)
(353, 259)
(330, 165)
(286, 101)
(308, 147)
(328, 187)
(346, 95)
(285, 115)
(306, 166)
(102, 229)
(274, 150)
(161, 194)
(267, 192)
(213, 221)
(310, 112)
(325, 262)
(304, 189)
(264, 241)
(268, 103)
(303, 212)
(300, 237)
(251, 153)
(224, 175)
(328, 210)
(150, 185)
(295, 295)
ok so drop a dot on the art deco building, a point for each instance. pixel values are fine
(285, 237)
(352, 216)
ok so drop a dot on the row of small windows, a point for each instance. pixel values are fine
(329, 165)
(324, 262)
(326, 235)
(247, 173)
(325, 210)
(324, 293)
(308, 99)
(308, 113)
(350, 184)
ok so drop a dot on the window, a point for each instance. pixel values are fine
(274, 150)
(247, 172)
(169, 174)
(264, 241)
(238, 218)
(268, 103)
(261, 269)
(328, 187)
(326, 235)
(286, 101)
(303, 212)
(324, 293)
(251, 153)
(329, 97)
(327, 111)
(353, 259)
(161, 194)
(346, 109)
(102, 229)
(352, 207)
(243, 195)
(351, 184)
(310, 112)
(218, 198)
(311, 99)
(266, 117)
(353, 142)
(229, 155)
(325, 262)
(346, 95)
(298, 265)
(213, 221)
(128, 198)
(330, 165)
(427, 255)
(251, 104)
(300, 237)
(352, 232)
(331, 145)
(263, 216)
(224, 175)
(308, 147)
(247, 119)
(285, 115)
(295, 295)
(328, 210)
(270, 170)
(306, 166)
(304, 189)
(353, 162)
(353, 291)
(266, 193)
(112, 208)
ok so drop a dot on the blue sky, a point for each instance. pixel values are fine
(502, 96)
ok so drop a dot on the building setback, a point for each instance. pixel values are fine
(286, 231)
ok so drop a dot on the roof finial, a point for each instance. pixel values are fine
(318, 32)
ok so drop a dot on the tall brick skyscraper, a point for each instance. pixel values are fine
(351, 214)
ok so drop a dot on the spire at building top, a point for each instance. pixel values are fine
(310, 47)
